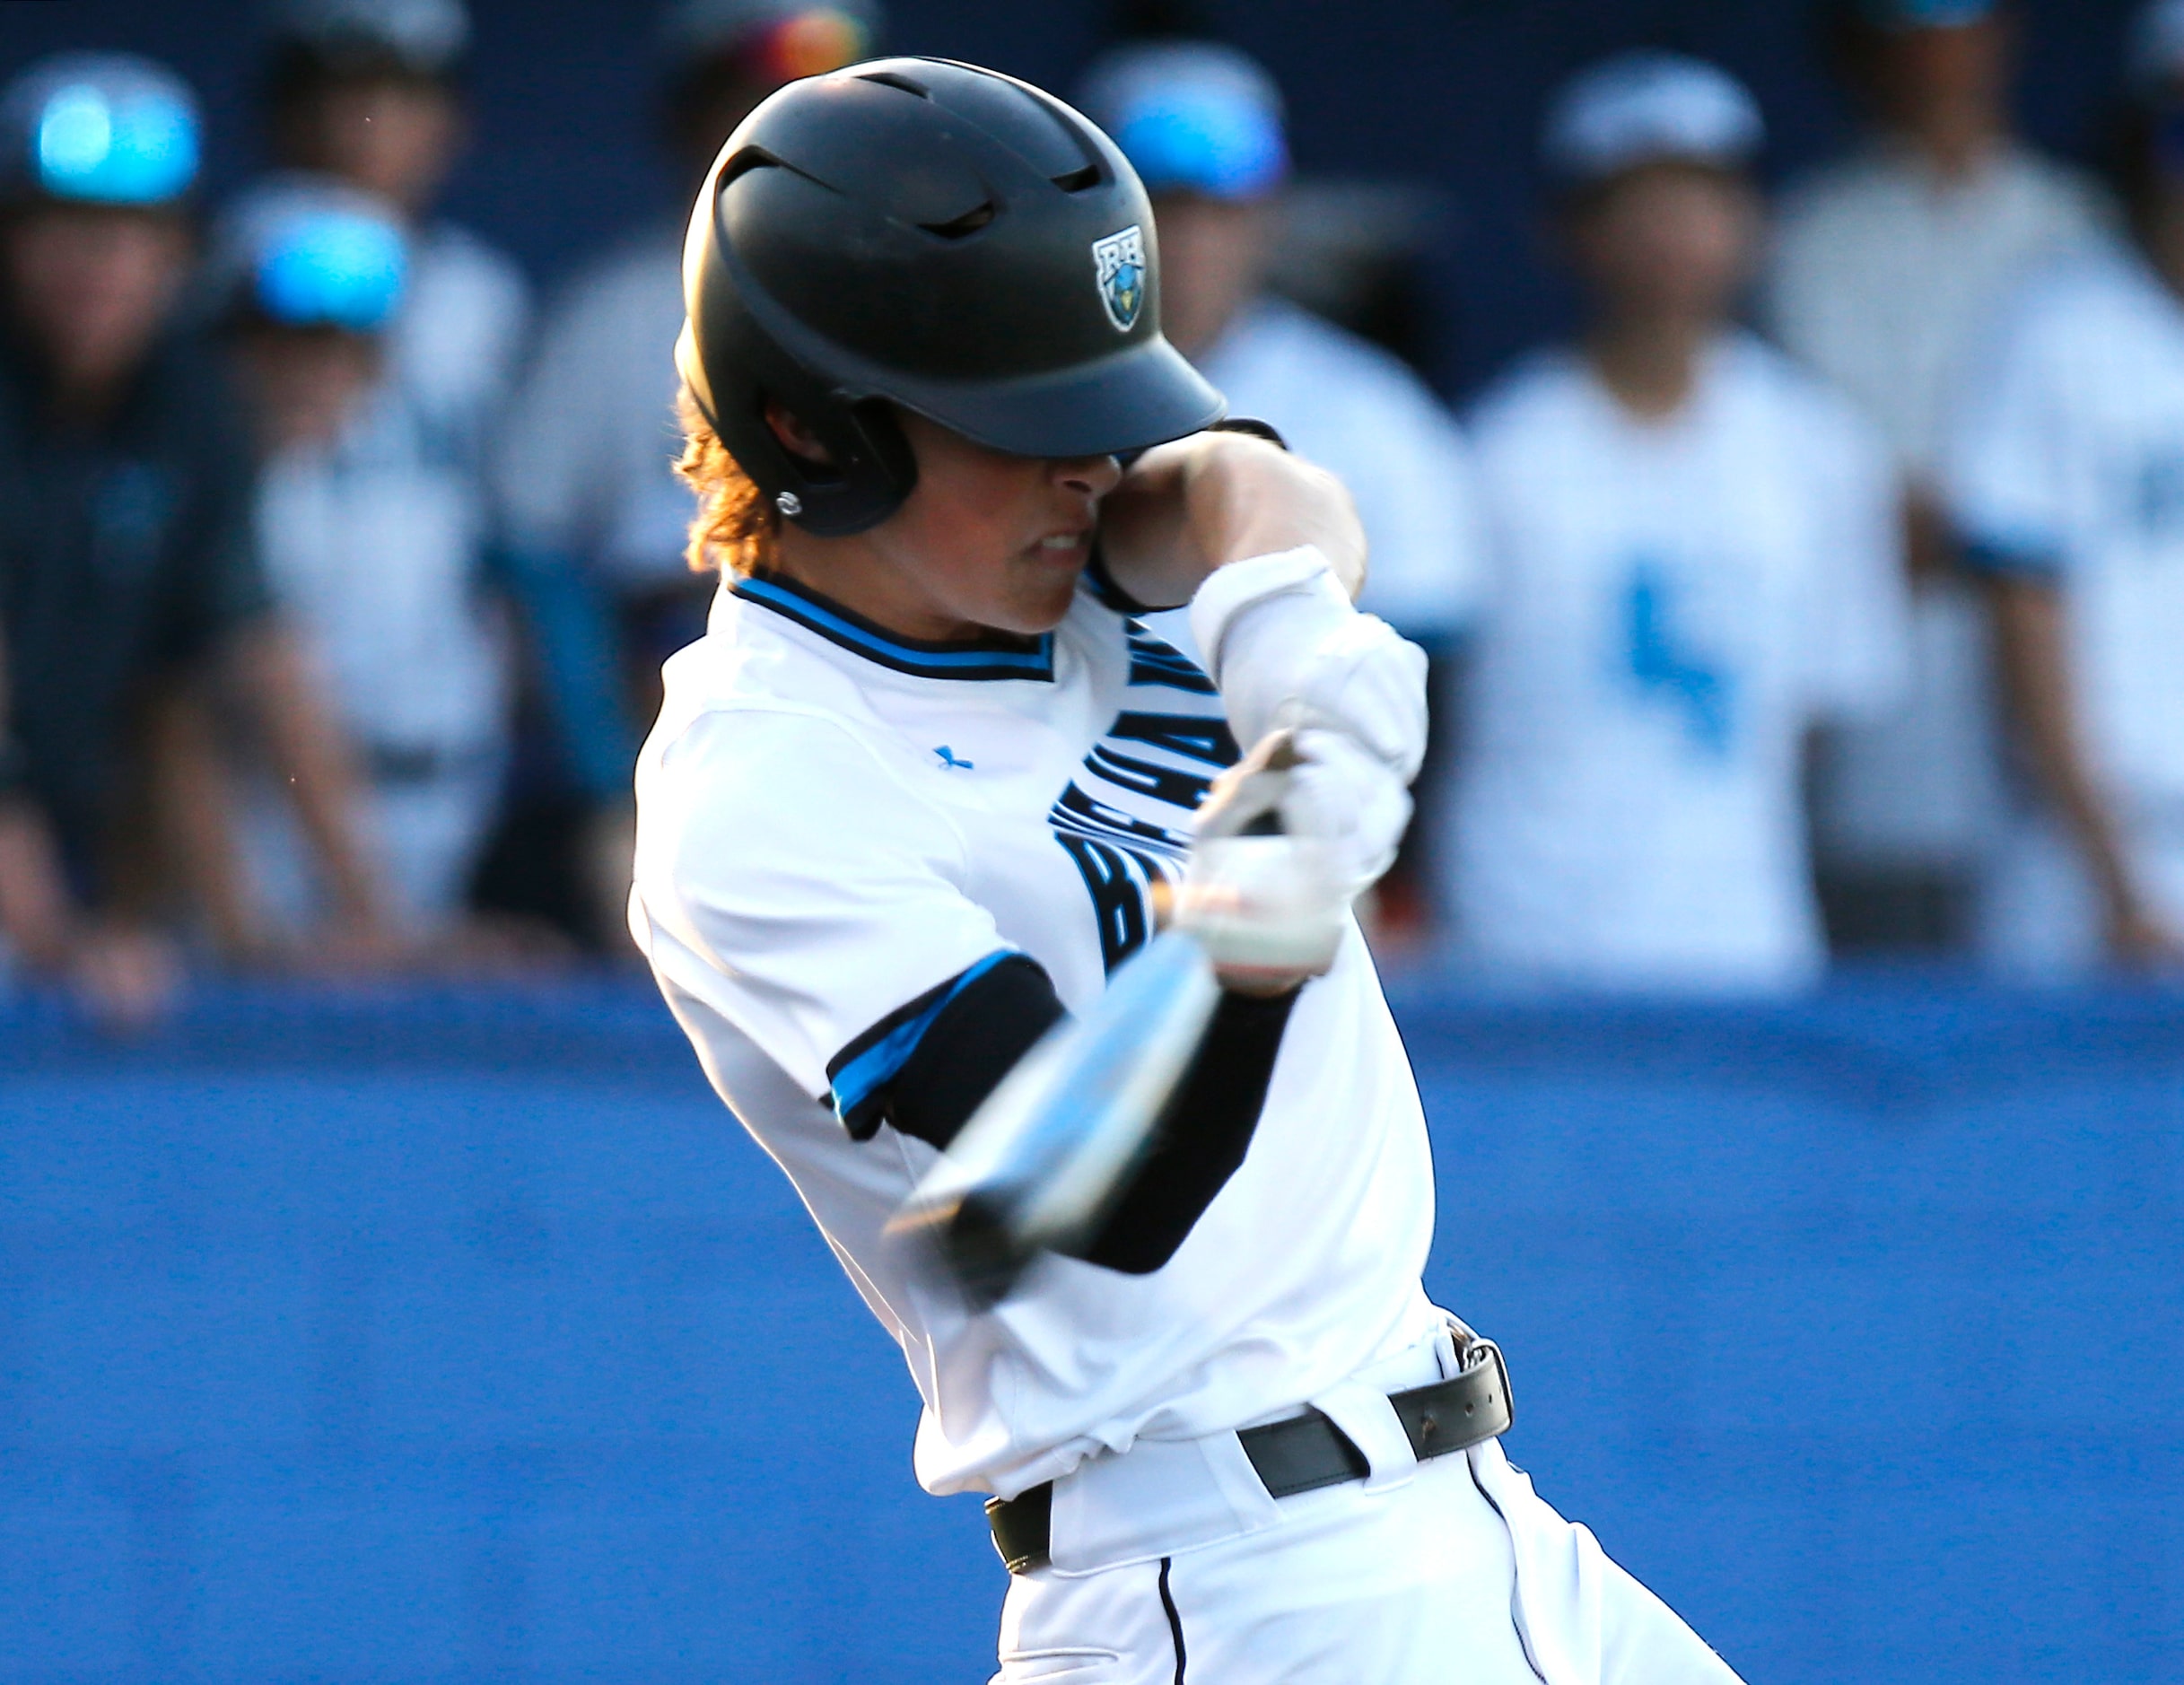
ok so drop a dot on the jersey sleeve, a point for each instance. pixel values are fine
(789, 879)
(2006, 459)
(1858, 647)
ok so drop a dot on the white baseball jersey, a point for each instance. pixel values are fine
(1672, 605)
(835, 822)
(372, 548)
(2068, 462)
(1884, 276)
(585, 466)
(1359, 413)
(455, 345)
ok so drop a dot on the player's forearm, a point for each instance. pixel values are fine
(195, 805)
(2036, 679)
(1190, 507)
(35, 912)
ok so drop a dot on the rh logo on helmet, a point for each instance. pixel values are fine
(1120, 262)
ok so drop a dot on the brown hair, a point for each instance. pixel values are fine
(737, 527)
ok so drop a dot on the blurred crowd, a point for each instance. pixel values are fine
(1824, 594)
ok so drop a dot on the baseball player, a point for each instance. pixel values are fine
(2067, 477)
(1695, 561)
(1886, 268)
(372, 539)
(907, 807)
(129, 580)
(369, 93)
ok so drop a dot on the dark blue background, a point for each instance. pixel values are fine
(1446, 92)
(458, 1339)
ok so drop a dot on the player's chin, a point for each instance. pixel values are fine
(1040, 588)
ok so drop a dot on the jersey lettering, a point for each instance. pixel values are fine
(1091, 816)
(1125, 819)
(1162, 783)
(1665, 665)
(1120, 881)
(1155, 661)
(1193, 736)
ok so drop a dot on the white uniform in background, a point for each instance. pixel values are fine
(837, 830)
(2067, 460)
(1883, 277)
(372, 548)
(1672, 605)
(1357, 411)
(455, 347)
(586, 465)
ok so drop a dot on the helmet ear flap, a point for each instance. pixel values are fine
(871, 471)
(869, 467)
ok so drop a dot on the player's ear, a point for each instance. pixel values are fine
(796, 439)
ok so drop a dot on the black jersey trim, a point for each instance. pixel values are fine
(991, 655)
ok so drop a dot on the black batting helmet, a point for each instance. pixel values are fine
(926, 233)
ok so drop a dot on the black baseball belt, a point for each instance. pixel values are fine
(1302, 1454)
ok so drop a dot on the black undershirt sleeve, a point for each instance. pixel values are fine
(1201, 1140)
(991, 1022)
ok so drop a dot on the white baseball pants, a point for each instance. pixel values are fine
(1447, 1572)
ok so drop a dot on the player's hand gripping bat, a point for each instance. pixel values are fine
(1041, 1164)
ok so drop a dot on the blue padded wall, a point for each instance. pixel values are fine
(432, 1338)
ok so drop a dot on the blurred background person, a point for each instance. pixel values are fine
(1695, 560)
(374, 543)
(1202, 124)
(596, 521)
(125, 973)
(1886, 268)
(128, 575)
(2066, 476)
(369, 93)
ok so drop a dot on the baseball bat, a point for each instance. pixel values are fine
(1043, 1159)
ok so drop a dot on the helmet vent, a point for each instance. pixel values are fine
(963, 227)
(893, 79)
(1077, 180)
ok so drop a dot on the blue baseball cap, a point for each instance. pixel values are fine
(306, 253)
(1648, 108)
(1191, 117)
(1925, 14)
(100, 128)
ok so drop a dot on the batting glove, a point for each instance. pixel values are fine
(1286, 840)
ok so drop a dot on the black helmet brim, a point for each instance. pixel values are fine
(1131, 401)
